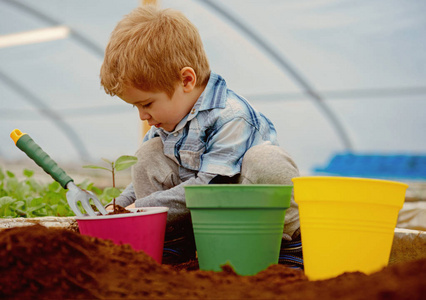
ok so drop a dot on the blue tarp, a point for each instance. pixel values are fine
(389, 166)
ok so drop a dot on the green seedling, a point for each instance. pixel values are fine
(122, 163)
(28, 198)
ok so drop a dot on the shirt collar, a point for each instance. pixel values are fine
(213, 96)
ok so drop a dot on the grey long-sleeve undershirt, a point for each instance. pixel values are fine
(173, 198)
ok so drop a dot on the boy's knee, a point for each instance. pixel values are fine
(154, 171)
(151, 158)
(268, 164)
(148, 155)
(149, 149)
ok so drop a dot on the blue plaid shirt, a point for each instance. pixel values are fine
(216, 134)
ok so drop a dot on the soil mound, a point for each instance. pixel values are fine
(42, 263)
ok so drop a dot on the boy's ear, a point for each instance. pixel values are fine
(189, 79)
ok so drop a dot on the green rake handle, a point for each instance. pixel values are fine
(24, 142)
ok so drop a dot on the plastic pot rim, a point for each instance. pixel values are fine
(238, 196)
(147, 211)
(353, 179)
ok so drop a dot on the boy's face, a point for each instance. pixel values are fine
(157, 108)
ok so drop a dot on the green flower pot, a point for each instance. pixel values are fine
(240, 225)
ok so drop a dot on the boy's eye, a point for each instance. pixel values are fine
(143, 106)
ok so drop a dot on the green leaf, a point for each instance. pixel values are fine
(28, 173)
(10, 174)
(1, 174)
(107, 161)
(36, 201)
(125, 161)
(52, 198)
(54, 186)
(62, 211)
(5, 210)
(13, 185)
(84, 185)
(33, 185)
(40, 213)
(112, 192)
(95, 190)
(34, 208)
(20, 213)
(19, 204)
(96, 167)
(6, 200)
(3, 192)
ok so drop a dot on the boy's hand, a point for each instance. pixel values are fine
(131, 206)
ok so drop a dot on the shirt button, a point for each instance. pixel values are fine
(176, 134)
(193, 111)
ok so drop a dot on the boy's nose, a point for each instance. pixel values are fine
(144, 115)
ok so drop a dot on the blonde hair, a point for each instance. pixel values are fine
(147, 50)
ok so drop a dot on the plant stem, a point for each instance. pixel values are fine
(113, 185)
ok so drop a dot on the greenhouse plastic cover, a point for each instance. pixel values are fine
(333, 76)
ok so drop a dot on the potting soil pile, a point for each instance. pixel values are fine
(38, 262)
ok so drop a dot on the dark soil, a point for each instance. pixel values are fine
(119, 210)
(41, 263)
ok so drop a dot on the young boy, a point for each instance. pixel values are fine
(202, 132)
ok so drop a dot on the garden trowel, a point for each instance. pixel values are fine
(74, 195)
